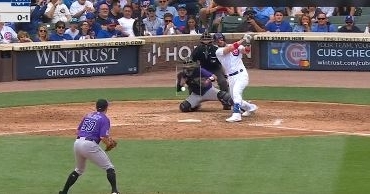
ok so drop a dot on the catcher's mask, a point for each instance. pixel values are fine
(188, 70)
(206, 38)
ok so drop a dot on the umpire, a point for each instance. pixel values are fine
(205, 55)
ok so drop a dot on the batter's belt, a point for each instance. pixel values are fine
(234, 73)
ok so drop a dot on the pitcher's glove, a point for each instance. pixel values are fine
(110, 143)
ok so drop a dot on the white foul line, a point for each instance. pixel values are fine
(65, 129)
(274, 125)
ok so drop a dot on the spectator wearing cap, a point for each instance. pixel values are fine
(116, 11)
(59, 34)
(57, 11)
(264, 14)
(182, 17)
(103, 15)
(250, 24)
(350, 25)
(152, 23)
(80, 8)
(73, 28)
(95, 27)
(127, 22)
(323, 25)
(163, 8)
(110, 30)
(168, 27)
(278, 25)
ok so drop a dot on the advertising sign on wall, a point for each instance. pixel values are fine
(63, 63)
(316, 55)
(352, 56)
(288, 55)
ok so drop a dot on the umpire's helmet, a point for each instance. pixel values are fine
(218, 36)
(206, 36)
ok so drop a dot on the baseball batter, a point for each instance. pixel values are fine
(199, 82)
(230, 56)
(93, 128)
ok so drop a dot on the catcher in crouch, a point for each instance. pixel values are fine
(199, 82)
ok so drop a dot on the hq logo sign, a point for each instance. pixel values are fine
(169, 53)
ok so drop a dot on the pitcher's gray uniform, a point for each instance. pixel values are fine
(93, 128)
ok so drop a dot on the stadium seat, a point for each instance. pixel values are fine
(229, 24)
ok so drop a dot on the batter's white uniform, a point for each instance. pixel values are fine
(238, 79)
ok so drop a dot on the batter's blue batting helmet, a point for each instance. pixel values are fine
(218, 36)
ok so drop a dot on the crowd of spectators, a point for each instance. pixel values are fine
(59, 20)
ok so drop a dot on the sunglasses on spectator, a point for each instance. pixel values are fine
(42, 30)
(168, 20)
(61, 27)
(321, 18)
(162, 1)
(349, 22)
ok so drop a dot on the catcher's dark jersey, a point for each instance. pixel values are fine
(196, 82)
(206, 55)
(94, 125)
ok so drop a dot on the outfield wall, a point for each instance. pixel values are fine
(118, 56)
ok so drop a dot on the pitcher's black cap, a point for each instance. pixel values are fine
(101, 105)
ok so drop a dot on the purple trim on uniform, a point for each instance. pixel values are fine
(205, 73)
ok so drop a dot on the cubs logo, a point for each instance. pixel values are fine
(295, 53)
(236, 52)
(7, 36)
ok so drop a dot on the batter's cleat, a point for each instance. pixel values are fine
(226, 107)
(251, 111)
(235, 117)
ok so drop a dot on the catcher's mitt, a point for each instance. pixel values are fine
(110, 144)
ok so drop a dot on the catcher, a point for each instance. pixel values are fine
(93, 128)
(199, 82)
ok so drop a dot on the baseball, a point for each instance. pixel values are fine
(183, 88)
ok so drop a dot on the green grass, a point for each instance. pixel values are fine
(337, 164)
(303, 165)
(341, 95)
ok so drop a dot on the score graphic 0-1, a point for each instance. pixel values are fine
(15, 10)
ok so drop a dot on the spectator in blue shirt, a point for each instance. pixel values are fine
(180, 20)
(264, 14)
(94, 26)
(323, 25)
(278, 25)
(111, 31)
(59, 34)
(163, 8)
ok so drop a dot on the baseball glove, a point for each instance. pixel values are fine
(110, 144)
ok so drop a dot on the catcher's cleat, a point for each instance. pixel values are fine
(235, 117)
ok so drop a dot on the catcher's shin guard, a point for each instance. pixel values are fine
(225, 98)
(185, 106)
